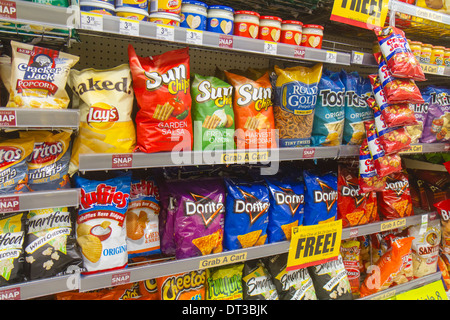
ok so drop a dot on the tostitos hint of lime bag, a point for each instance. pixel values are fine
(212, 113)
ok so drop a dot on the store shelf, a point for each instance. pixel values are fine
(111, 25)
(38, 118)
(39, 200)
(418, 12)
(353, 150)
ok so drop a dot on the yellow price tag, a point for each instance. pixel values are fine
(313, 245)
(360, 13)
(432, 291)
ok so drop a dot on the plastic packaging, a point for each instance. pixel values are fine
(193, 14)
(270, 28)
(246, 24)
(312, 36)
(220, 19)
(291, 32)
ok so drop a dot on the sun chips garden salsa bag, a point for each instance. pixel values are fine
(162, 87)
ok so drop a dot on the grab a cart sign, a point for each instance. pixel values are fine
(365, 14)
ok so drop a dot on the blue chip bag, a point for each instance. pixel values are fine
(286, 209)
(320, 197)
(328, 124)
(247, 214)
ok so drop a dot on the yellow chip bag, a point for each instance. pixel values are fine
(106, 104)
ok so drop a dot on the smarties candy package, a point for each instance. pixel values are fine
(162, 88)
(101, 230)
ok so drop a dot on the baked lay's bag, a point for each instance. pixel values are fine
(101, 230)
(48, 165)
(321, 195)
(13, 164)
(295, 98)
(183, 286)
(257, 282)
(212, 113)
(247, 214)
(286, 207)
(162, 87)
(106, 103)
(395, 201)
(329, 114)
(253, 111)
(39, 76)
(224, 282)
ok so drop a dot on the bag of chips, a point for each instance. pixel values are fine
(225, 282)
(51, 246)
(351, 203)
(436, 127)
(257, 282)
(39, 76)
(162, 88)
(106, 103)
(148, 290)
(101, 230)
(321, 196)
(395, 201)
(399, 57)
(392, 139)
(399, 115)
(443, 209)
(247, 213)
(183, 286)
(286, 207)
(48, 165)
(295, 98)
(444, 267)
(13, 165)
(253, 112)
(368, 178)
(350, 252)
(12, 236)
(212, 113)
(372, 207)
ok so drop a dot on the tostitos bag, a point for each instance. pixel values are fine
(162, 87)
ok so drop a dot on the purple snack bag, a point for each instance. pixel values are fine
(167, 243)
(436, 127)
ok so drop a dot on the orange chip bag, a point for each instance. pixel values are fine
(183, 286)
(253, 111)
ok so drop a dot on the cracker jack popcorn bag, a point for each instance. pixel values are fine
(162, 87)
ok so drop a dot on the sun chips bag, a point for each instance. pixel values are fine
(106, 104)
(162, 87)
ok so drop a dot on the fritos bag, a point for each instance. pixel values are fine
(294, 103)
(162, 87)
(106, 104)
(397, 53)
(395, 201)
(253, 112)
(39, 76)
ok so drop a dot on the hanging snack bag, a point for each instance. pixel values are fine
(106, 104)
(39, 76)
(443, 209)
(212, 113)
(224, 282)
(48, 165)
(286, 207)
(290, 285)
(372, 207)
(51, 246)
(183, 286)
(392, 140)
(12, 234)
(320, 197)
(142, 220)
(350, 252)
(399, 115)
(101, 230)
(328, 124)
(294, 103)
(368, 178)
(399, 57)
(395, 201)
(257, 282)
(13, 165)
(420, 113)
(162, 87)
(253, 112)
(247, 214)
(351, 204)
(436, 127)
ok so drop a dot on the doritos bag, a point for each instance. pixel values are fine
(253, 112)
(320, 197)
(395, 201)
(13, 165)
(106, 104)
(329, 114)
(247, 214)
(48, 165)
(257, 282)
(294, 103)
(101, 231)
(183, 286)
(162, 88)
(224, 282)
(39, 76)
(212, 113)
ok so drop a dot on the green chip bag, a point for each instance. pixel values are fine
(212, 113)
(225, 282)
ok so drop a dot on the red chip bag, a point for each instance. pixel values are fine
(391, 139)
(399, 115)
(162, 88)
(372, 207)
(395, 201)
(368, 178)
(399, 58)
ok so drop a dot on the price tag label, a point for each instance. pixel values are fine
(8, 9)
(440, 70)
(194, 36)
(223, 260)
(10, 294)
(91, 21)
(164, 32)
(129, 27)
(122, 161)
(357, 57)
(331, 57)
(270, 47)
(225, 41)
(309, 152)
(120, 278)
(299, 52)
(432, 291)
(9, 204)
(8, 118)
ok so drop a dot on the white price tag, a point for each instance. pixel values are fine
(270, 47)
(194, 36)
(357, 57)
(440, 70)
(91, 21)
(164, 32)
(331, 57)
(129, 27)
